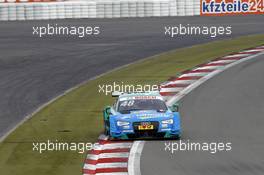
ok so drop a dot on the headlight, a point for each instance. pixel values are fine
(170, 121)
(120, 123)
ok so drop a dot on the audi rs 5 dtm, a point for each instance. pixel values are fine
(141, 115)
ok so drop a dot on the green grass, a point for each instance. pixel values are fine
(79, 112)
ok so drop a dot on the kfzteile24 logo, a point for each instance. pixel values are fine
(231, 7)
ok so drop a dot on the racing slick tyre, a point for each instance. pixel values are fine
(106, 131)
(176, 137)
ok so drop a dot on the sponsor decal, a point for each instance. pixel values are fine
(145, 97)
(231, 7)
(140, 98)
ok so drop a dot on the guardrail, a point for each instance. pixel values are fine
(97, 9)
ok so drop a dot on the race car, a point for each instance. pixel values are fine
(141, 115)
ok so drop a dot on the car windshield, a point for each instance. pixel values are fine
(127, 106)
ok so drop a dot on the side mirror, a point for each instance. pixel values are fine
(175, 107)
(107, 112)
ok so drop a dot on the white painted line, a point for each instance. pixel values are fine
(98, 147)
(177, 89)
(112, 165)
(194, 74)
(136, 150)
(92, 156)
(237, 55)
(105, 165)
(107, 155)
(89, 166)
(117, 145)
(137, 147)
(116, 173)
(181, 82)
(222, 61)
(207, 67)
(202, 80)
(110, 146)
(253, 50)
(134, 158)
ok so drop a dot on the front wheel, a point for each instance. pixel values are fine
(106, 129)
(175, 137)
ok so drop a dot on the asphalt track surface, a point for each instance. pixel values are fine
(34, 70)
(227, 108)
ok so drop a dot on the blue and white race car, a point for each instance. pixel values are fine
(141, 115)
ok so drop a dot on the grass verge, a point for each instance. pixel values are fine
(76, 117)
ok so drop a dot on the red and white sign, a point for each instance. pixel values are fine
(231, 7)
